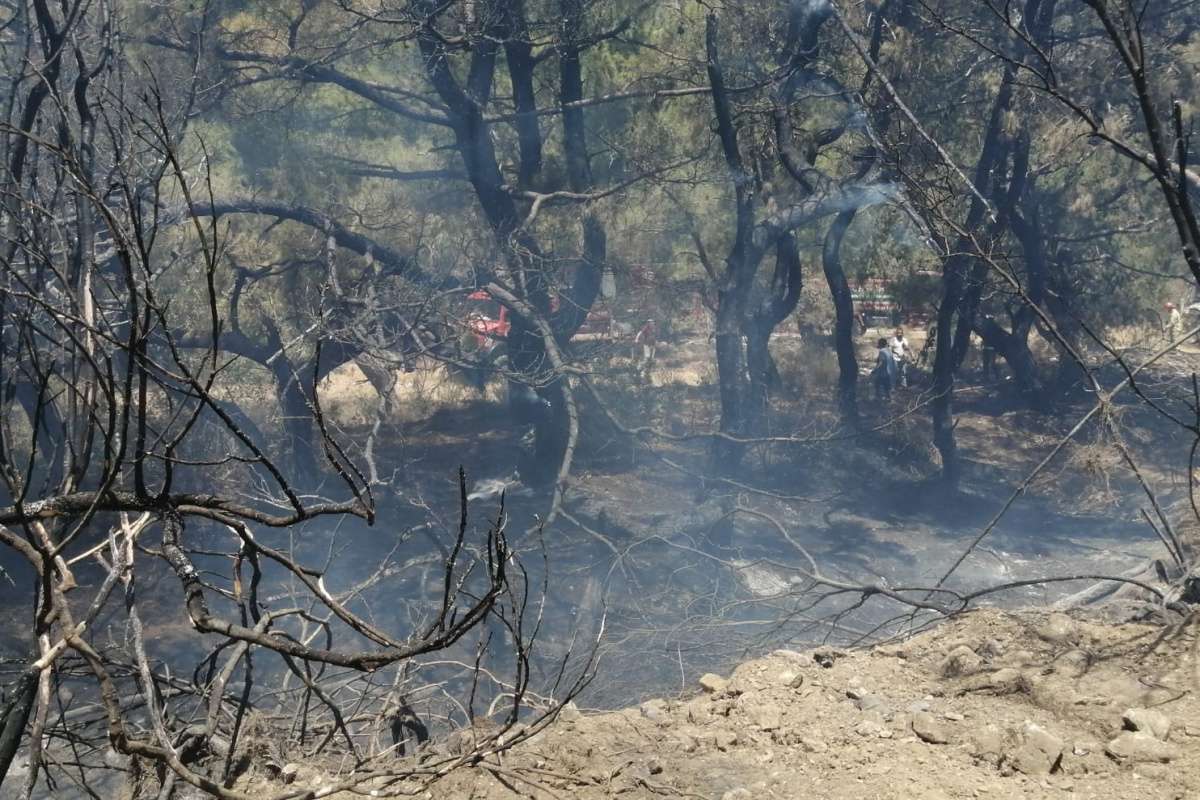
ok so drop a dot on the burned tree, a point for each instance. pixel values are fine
(125, 470)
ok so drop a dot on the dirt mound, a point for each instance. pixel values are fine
(989, 705)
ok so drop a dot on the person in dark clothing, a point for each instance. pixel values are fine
(884, 374)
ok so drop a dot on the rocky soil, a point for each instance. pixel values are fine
(989, 705)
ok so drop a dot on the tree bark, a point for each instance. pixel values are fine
(843, 327)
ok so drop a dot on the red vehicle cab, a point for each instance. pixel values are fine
(487, 319)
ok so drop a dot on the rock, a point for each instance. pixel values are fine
(688, 744)
(873, 729)
(891, 651)
(1051, 694)
(787, 678)
(654, 766)
(1153, 722)
(289, 772)
(766, 717)
(1152, 771)
(790, 654)
(873, 702)
(991, 649)
(1002, 681)
(1021, 658)
(962, 660)
(657, 711)
(953, 716)
(811, 745)
(570, 713)
(987, 743)
(1073, 664)
(929, 729)
(737, 794)
(1191, 730)
(1140, 747)
(713, 683)
(825, 656)
(917, 707)
(1040, 752)
(855, 693)
(1057, 628)
(726, 740)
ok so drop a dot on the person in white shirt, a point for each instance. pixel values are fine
(901, 352)
(1174, 327)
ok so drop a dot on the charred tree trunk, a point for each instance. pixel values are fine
(959, 304)
(784, 294)
(843, 327)
(740, 267)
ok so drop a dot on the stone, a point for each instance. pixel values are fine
(289, 773)
(570, 713)
(962, 660)
(1040, 752)
(713, 683)
(1140, 747)
(1057, 628)
(791, 654)
(986, 742)
(811, 745)
(929, 729)
(953, 716)
(654, 766)
(917, 707)
(1002, 681)
(1073, 664)
(825, 656)
(657, 711)
(891, 651)
(766, 717)
(873, 702)
(1153, 722)
(737, 794)
(1152, 771)
(726, 740)
(688, 744)
(873, 729)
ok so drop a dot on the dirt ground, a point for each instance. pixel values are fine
(990, 705)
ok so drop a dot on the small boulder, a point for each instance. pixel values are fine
(1057, 628)
(962, 660)
(1002, 681)
(766, 717)
(657, 711)
(713, 683)
(873, 702)
(873, 729)
(1040, 752)
(929, 729)
(570, 712)
(825, 656)
(1138, 747)
(1148, 720)
(987, 743)
(1073, 664)
(726, 740)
